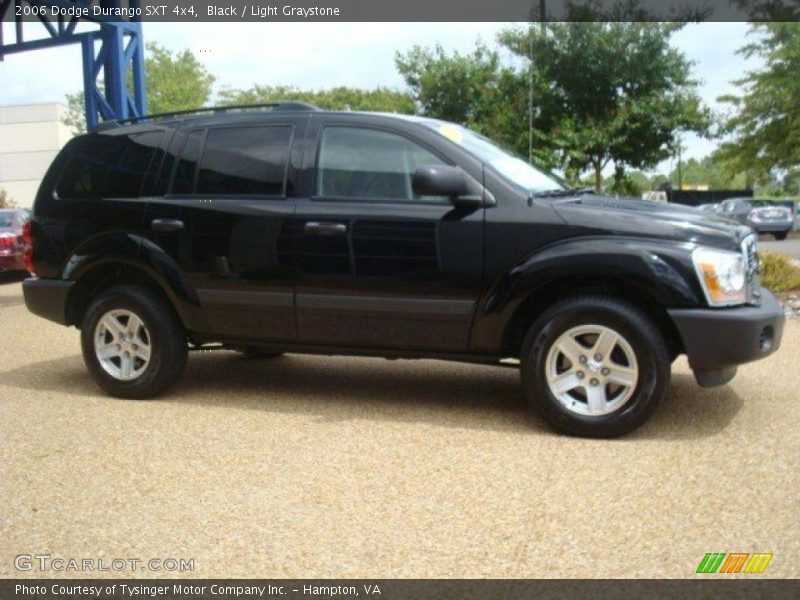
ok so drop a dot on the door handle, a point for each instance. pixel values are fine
(322, 228)
(166, 225)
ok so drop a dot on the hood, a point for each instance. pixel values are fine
(644, 218)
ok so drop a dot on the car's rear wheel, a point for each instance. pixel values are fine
(780, 235)
(133, 344)
(595, 366)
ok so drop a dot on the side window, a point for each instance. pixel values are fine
(367, 163)
(245, 160)
(107, 166)
(187, 164)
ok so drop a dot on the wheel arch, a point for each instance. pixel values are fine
(652, 275)
(542, 298)
(129, 261)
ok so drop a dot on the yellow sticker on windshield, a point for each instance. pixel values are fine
(452, 133)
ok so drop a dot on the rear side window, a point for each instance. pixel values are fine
(235, 161)
(107, 166)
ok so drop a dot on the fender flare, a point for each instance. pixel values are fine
(134, 251)
(660, 269)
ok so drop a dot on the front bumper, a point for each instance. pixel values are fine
(47, 298)
(716, 340)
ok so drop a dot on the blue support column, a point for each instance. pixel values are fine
(137, 61)
(89, 81)
(114, 70)
(109, 53)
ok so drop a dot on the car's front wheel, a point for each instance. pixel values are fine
(594, 366)
(133, 344)
(780, 235)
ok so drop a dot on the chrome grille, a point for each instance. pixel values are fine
(752, 266)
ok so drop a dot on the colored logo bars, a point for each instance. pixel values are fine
(734, 562)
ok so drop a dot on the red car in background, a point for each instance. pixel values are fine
(11, 244)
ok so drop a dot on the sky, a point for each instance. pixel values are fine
(323, 55)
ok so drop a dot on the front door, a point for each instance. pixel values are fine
(224, 222)
(378, 265)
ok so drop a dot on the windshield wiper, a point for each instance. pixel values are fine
(560, 193)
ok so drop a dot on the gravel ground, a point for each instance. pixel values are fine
(348, 467)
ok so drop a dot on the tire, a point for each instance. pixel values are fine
(256, 353)
(780, 235)
(639, 356)
(160, 331)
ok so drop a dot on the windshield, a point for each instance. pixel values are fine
(511, 167)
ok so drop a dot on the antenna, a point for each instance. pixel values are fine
(530, 96)
(542, 17)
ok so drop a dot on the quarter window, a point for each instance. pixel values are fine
(367, 163)
(107, 166)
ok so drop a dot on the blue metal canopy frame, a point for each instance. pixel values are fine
(110, 52)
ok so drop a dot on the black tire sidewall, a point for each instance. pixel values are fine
(651, 357)
(167, 344)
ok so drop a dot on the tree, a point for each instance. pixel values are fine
(765, 122)
(473, 89)
(711, 171)
(5, 200)
(175, 81)
(380, 99)
(602, 93)
(608, 93)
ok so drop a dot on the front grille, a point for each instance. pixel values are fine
(752, 266)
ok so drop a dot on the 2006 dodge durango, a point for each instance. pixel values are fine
(284, 228)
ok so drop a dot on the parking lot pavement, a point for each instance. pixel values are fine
(789, 246)
(348, 467)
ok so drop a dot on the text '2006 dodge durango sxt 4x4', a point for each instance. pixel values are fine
(284, 228)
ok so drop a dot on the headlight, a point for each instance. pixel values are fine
(722, 275)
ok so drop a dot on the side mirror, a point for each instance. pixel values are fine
(444, 180)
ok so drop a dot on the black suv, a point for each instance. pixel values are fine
(289, 229)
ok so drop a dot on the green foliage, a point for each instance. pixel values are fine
(779, 273)
(785, 184)
(709, 171)
(75, 117)
(380, 99)
(609, 92)
(765, 124)
(631, 184)
(602, 93)
(475, 90)
(768, 10)
(632, 10)
(175, 81)
(5, 200)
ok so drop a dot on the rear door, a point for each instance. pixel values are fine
(223, 220)
(378, 265)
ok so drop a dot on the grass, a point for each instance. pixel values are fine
(779, 273)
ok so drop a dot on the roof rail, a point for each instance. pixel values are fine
(271, 107)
